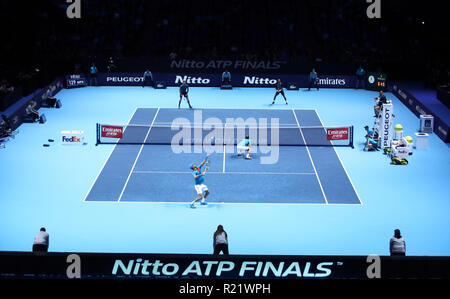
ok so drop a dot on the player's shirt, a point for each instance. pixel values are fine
(184, 89)
(360, 72)
(312, 76)
(382, 100)
(148, 74)
(93, 70)
(199, 180)
(244, 142)
(279, 86)
(226, 75)
(370, 132)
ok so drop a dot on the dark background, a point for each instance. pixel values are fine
(410, 41)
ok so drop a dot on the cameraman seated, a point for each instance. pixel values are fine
(32, 113)
(380, 100)
(226, 78)
(148, 79)
(50, 101)
(6, 125)
(4, 131)
(370, 145)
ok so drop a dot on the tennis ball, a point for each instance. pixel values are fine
(409, 139)
(398, 128)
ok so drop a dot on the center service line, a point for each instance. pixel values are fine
(137, 158)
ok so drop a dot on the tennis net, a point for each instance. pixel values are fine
(287, 135)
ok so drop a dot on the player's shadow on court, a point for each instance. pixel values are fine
(280, 104)
(235, 156)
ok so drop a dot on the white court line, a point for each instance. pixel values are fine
(137, 158)
(221, 172)
(218, 126)
(230, 203)
(224, 157)
(342, 164)
(227, 108)
(309, 154)
(106, 161)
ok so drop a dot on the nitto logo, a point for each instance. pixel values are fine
(256, 80)
(192, 80)
(71, 139)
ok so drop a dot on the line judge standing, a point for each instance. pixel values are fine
(313, 79)
(41, 241)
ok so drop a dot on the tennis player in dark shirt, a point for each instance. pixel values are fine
(280, 90)
(184, 89)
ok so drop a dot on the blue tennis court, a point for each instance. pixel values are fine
(156, 173)
(110, 198)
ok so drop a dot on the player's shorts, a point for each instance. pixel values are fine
(201, 188)
(183, 94)
(241, 148)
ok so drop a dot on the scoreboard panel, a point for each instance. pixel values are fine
(376, 81)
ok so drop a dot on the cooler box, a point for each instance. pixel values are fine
(421, 140)
(426, 123)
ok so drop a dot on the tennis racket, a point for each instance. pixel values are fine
(207, 166)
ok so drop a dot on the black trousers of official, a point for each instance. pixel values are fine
(40, 248)
(221, 248)
(148, 81)
(398, 254)
(313, 82)
(93, 77)
(359, 80)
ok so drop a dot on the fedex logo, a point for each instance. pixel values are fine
(71, 139)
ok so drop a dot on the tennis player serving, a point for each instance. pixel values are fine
(200, 187)
(245, 146)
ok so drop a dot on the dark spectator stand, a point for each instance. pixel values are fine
(443, 94)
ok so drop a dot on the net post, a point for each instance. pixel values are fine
(351, 137)
(98, 135)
